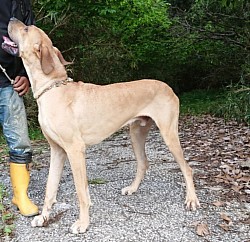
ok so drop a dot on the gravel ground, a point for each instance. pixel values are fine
(155, 213)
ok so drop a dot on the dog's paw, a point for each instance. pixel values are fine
(79, 227)
(128, 190)
(39, 221)
(192, 203)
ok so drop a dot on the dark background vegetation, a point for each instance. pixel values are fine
(197, 46)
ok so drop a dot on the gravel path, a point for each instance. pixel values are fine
(155, 213)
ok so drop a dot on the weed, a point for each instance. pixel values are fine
(4, 152)
(198, 102)
(230, 103)
(36, 134)
(97, 181)
(236, 104)
(7, 218)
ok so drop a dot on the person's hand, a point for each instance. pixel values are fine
(21, 85)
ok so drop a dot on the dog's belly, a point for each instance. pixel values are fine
(91, 129)
(96, 134)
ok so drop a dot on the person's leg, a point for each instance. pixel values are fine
(15, 130)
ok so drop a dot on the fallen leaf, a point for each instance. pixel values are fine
(224, 227)
(226, 218)
(246, 221)
(237, 188)
(244, 179)
(202, 229)
(219, 180)
(218, 188)
(226, 168)
(218, 203)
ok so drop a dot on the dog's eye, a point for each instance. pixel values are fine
(26, 29)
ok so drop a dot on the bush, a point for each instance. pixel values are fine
(236, 104)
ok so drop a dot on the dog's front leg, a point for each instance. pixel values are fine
(78, 166)
(58, 157)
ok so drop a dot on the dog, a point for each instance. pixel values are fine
(75, 115)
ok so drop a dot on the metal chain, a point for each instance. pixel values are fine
(55, 84)
(5, 73)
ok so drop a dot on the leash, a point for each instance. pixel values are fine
(55, 84)
(5, 73)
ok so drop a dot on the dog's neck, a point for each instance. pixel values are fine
(40, 82)
(53, 85)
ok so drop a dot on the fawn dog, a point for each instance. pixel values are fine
(74, 115)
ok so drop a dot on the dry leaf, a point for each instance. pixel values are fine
(246, 221)
(226, 168)
(224, 227)
(219, 180)
(218, 188)
(225, 218)
(237, 188)
(218, 203)
(202, 229)
(244, 179)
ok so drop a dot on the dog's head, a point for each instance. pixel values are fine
(33, 45)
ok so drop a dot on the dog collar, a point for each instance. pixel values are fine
(55, 84)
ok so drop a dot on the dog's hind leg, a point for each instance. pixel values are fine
(57, 160)
(138, 134)
(168, 125)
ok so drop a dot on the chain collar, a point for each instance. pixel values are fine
(54, 84)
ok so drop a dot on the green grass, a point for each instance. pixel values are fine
(2, 140)
(199, 102)
(97, 181)
(6, 218)
(231, 104)
(36, 134)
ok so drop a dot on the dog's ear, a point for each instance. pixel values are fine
(46, 59)
(60, 56)
(37, 50)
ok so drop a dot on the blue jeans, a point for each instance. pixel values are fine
(14, 125)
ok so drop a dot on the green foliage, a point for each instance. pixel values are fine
(232, 103)
(199, 102)
(211, 43)
(97, 181)
(32, 110)
(109, 39)
(35, 133)
(236, 104)
(2, 139)
(189, 44)
(6, 222)
(138, 25)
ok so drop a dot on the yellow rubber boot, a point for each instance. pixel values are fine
(20, 179)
